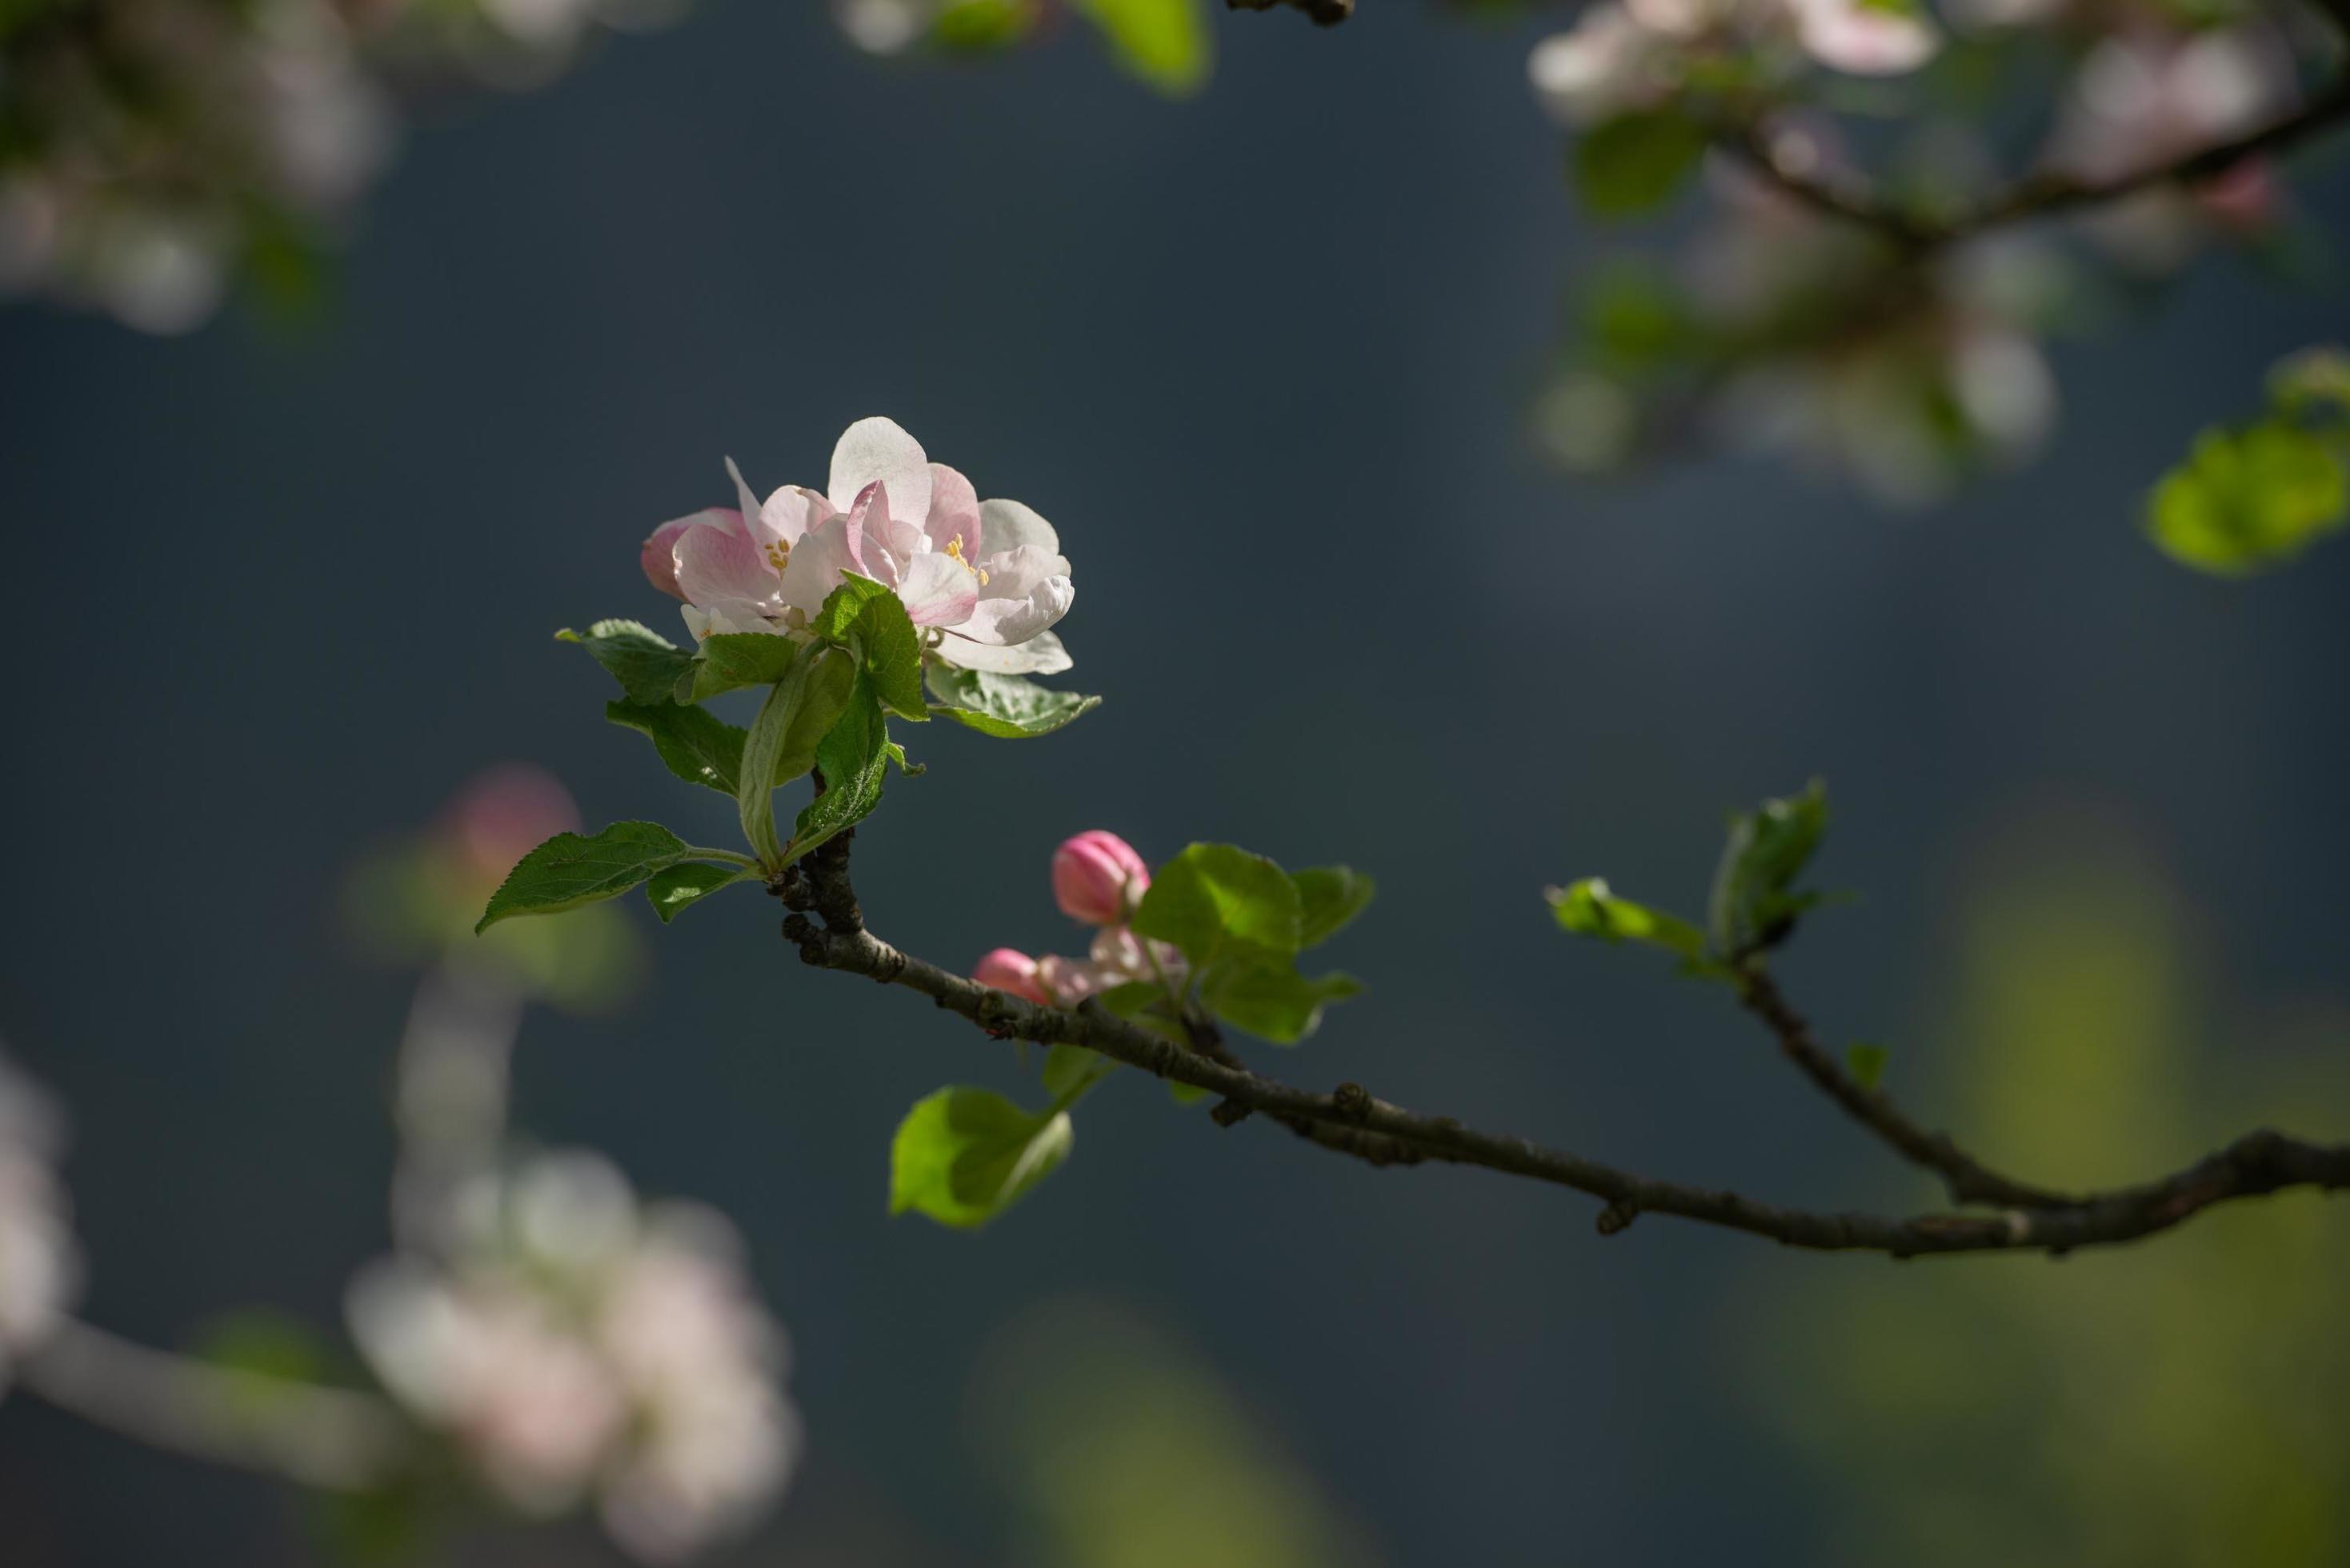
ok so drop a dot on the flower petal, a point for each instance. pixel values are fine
(817, 562)
(1040, 655)
(954, 512)
(1028, 590)
(876, 449)
(938, 590)
(1008, 524)
(791, 512)
(722, 563)
(659, 557)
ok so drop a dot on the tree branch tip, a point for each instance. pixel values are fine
(1616, 1217)
(1230, 1112)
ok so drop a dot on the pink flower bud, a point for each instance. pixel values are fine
(1009, 970)
(1097, 877)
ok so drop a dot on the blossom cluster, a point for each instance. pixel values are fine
(41, 1266)
(146, 203)
(1904, 367)
(1099, 879)
(575, 1341)
(982, 582)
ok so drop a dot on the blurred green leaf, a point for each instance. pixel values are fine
(1867, 1064)
(1164, 42)
(1070, 1070)
(730, 661)
(1269, 998)
(1755, 900)
(1328, 898)
(1010, 707)
(569, 870)
(647, 664)
(962, 1156)
(1637, 163)
(1216, 900)
(2248, 500)
(1588, 908)
(980, 26)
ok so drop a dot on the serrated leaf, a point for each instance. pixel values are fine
(855, 759)
(645, 663)
(1636, 161)
(1269, 998)
(569, 870)
(865, 614)
(679, 889)
(694, 744)
(1588, 908)
(1329, 897)
(1010, 707)
(1216, 900)
(962, 1156)
(733, 659)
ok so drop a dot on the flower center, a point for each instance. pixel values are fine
(779, 554)
(954, 551)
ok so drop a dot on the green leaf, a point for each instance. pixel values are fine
(1588, 908)
(569, 870)
(1755, 900)
(855, 759)
(1071, 1070)
(862, 614)
(1867, 1064)
(1329, 897)
(1164, 42)
(1009, 706)
(1216, 900)
(2245, 501)
(737, 659)
(680, 888)
(646, 665)
(962, 1156)
(1268, 997)
(1636, 162)
(2314, 381)
(695, 743)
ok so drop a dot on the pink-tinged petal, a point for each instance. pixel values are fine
(876, 449)
(714, 564)
(869, 537)
(954, 513)
(1069, 980)
(1008, 525)
(1040, 655)
(743, 495)
(659, 557)
(1009, 970)
(817, 564)
(791, 512)
(938, 590)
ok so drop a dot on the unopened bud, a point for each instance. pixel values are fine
(1099, 878)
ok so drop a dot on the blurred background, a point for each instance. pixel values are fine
(1266, 358)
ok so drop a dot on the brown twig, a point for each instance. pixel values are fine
(1352, 1121)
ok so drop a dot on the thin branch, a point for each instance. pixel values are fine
(1350, 1120)
(335, 1438)
(2047, 193)
(1968, 1178)
(1324, 12)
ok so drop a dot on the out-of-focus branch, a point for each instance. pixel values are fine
(335, 1438)
(1350, 1120)
(1324, 12)
(1853, 199)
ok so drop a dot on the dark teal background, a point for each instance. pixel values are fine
(1263, 358)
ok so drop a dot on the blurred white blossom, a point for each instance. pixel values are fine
(574, 1343)
(41, 1266)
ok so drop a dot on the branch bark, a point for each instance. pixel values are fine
(1352, 1121)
